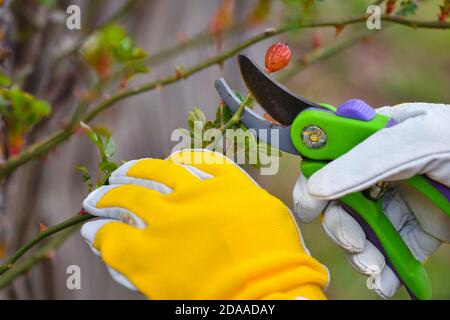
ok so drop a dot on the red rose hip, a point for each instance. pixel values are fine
(278, 57)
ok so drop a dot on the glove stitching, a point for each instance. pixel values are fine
(348, 245)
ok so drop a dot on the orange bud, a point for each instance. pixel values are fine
(15, 144)
(179, 70)
(103, 66)
(444, 13)
(278, 57)
(390, 6)
(42, 227)
(2, 250)
(50, 255)
(124, 82)
(86, 95)
(222, 18)
(260, 12)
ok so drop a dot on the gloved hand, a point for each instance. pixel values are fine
(196, 226)
(418, 144)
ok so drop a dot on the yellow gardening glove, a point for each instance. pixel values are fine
(196, 226)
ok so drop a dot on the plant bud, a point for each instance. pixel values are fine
(278, 57)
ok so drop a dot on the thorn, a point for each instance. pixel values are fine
(50, 255)
(182, 37)
(3, 251)
(42, 227)
(339, 28)
(159, 87)
(221, 64)
(269, 31)
(317, 40)
(179, 70)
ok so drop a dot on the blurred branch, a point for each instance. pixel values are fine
(39, 255)
(39, 237)
(119, 14)
(197, 40)
(416, 24)
(41, 148)
(34, 151)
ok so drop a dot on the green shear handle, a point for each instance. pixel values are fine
(380, 231)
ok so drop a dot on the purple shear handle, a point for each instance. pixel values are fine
(356, 109)
(372, 237)
(442, 188)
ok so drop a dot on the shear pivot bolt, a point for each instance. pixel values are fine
(314, 137)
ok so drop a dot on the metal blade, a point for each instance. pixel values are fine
(279, 102)
(274, 135)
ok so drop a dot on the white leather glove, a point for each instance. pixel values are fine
(418, 144)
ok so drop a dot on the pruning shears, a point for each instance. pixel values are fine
(320, 133)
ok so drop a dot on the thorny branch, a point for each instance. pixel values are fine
(41, 236)
(40, 254)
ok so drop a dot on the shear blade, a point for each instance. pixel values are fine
(279, 102)
(274, 135)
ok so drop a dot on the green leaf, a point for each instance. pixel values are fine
(107, 166)
(110, 147)
(86, 177)
(254, 150)
(223, 115)
(112, 44)
(84, 171)
(408, 7)
(4, 106)
(196, 120)
(94, 137)
(101, 131)
(21, 111)
(41, 108)
(199, 115)
(18, 100)
(239, 95)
